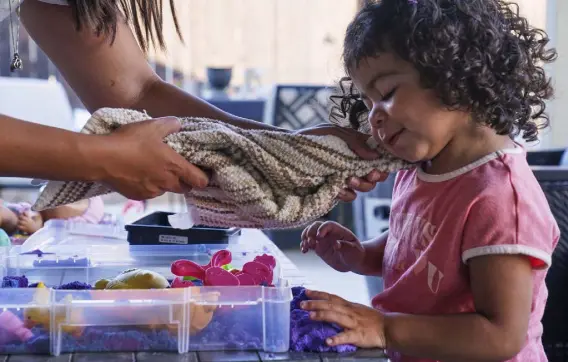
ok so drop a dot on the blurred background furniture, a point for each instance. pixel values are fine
(548, 157)
(554, 183)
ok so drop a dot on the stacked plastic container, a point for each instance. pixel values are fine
(47, 320)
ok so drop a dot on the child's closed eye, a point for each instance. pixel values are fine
(389, 95)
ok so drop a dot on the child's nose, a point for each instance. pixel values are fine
(377, 117)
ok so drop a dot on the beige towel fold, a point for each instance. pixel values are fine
(260, 179)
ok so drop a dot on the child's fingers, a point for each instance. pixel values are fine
(303, 247)
(347, 337)
(312, 230)
(312, 244)
(331, 229)
(307, 234)
(307, 245)
(327, 228)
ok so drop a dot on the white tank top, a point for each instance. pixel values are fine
(6, 5)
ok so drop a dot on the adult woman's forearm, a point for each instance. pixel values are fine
(37, 151)
(162, 99)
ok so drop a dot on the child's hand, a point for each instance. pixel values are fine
(28, 223)
(363, 326)
(335, 244)
(357, 141)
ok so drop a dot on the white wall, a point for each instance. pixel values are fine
(557, 27)
(552, 15)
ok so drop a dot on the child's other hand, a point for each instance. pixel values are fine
(29, 224)
(357, 141)
(363, 326)
(335, 244)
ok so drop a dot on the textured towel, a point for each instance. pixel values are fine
(260, 179)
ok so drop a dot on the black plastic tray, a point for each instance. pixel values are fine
(155, 229)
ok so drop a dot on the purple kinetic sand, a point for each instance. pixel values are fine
(107, 339)
(307, 335)
(231, 330)
(38, 344)
(15, 282)
(75, 286)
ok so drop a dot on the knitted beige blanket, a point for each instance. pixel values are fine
(260, 179)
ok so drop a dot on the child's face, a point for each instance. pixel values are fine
(408, 119)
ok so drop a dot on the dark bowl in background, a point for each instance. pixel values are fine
(219, 78)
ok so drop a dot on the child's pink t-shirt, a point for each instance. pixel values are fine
(439, 222)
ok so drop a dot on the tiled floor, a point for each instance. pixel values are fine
(347, 285)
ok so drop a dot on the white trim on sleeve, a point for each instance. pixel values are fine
(507, 249)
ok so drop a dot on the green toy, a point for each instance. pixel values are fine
(4, 239)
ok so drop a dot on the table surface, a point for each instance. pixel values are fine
(289, 272)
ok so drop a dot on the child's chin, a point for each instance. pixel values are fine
(412, 157)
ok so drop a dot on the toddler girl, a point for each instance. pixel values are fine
(448, 85)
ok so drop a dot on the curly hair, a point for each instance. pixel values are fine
(478, 56)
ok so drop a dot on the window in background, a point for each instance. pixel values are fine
(283, 41)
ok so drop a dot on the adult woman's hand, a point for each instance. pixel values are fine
(357, 141)
(139, 165)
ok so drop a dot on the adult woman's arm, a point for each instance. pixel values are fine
(118, 75)
(133, 161)
(111, 75)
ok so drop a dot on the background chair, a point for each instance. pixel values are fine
(548, 157)
(554, 183)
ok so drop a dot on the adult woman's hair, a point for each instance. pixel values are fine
(145, 16)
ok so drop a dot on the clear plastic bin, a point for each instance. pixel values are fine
(17, 335)
(167, 320)
(120, 321)
(245, 318)
(198, 318)
(72, 251)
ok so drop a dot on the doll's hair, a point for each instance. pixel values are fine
(478, 56)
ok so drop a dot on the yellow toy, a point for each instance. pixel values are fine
(134, 279)
(42, 315)
(200, 315)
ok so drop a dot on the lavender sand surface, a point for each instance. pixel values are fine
(307, 335)
(114, 339)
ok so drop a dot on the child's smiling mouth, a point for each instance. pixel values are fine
(392, 139)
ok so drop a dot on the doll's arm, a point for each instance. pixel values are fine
(64, 212)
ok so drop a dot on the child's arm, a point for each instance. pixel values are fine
(374, 252)
(502, 288)
(502, 291)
